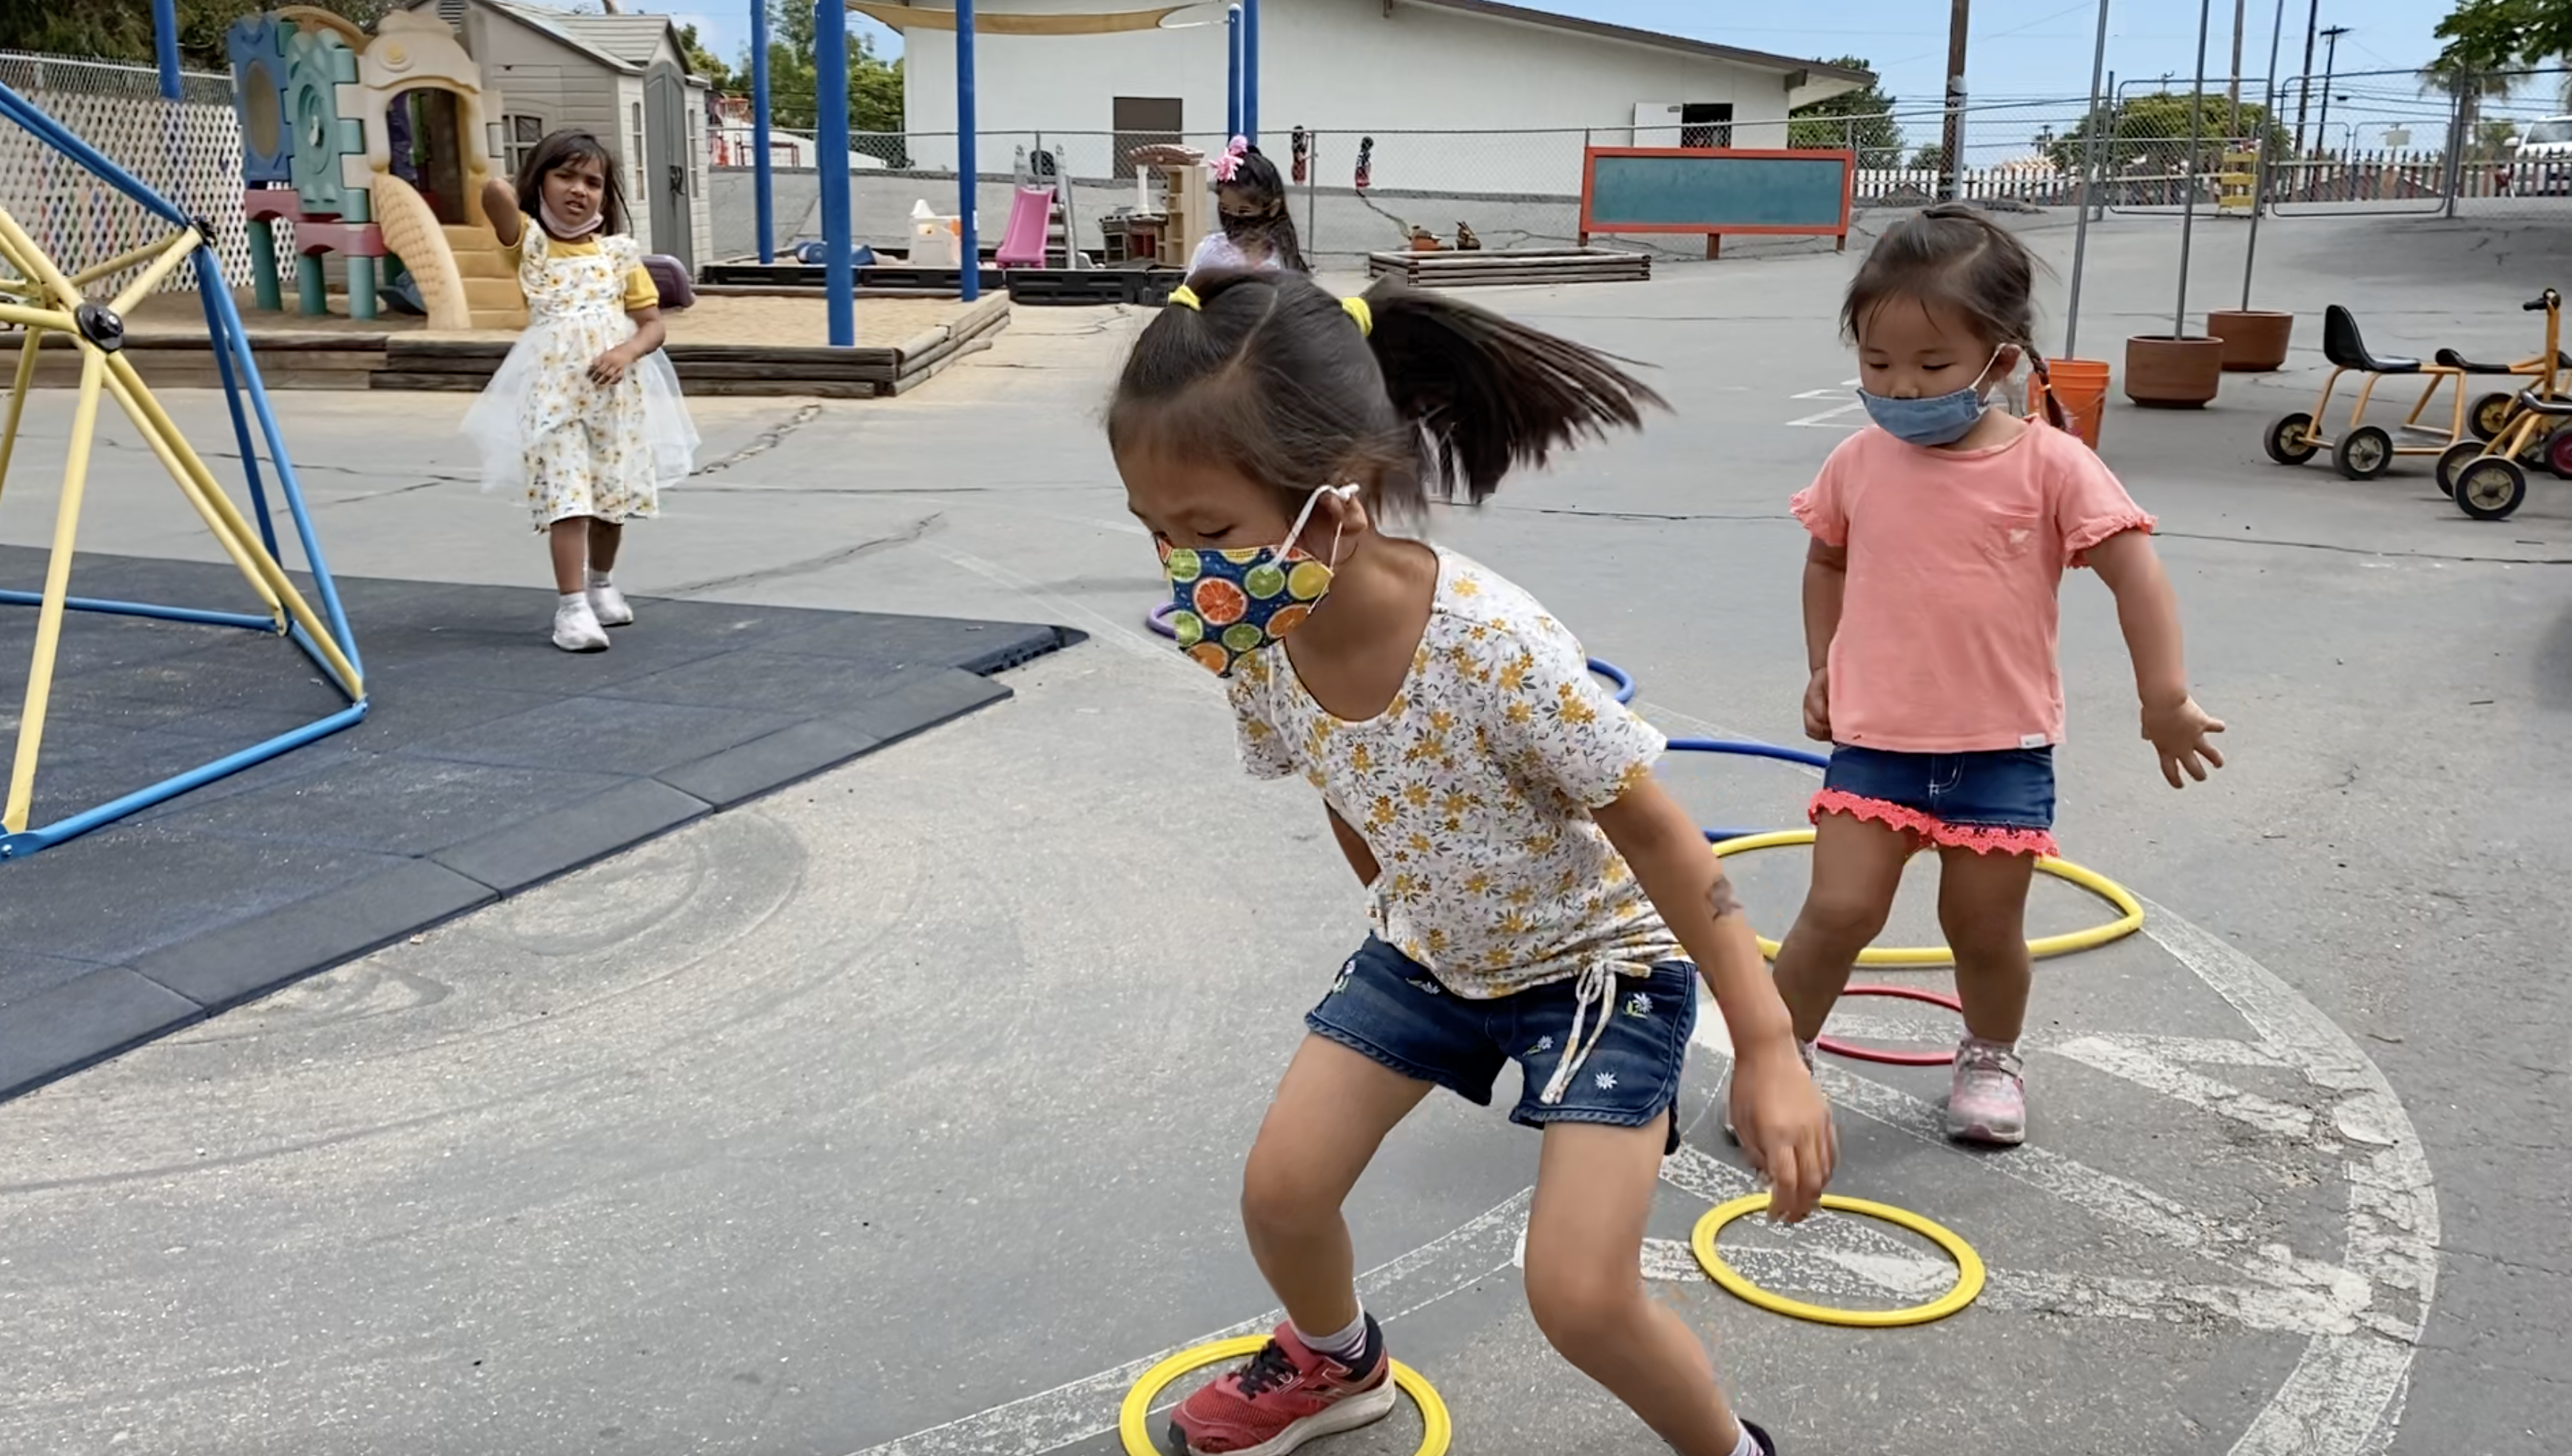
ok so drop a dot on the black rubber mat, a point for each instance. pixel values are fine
(489, 762)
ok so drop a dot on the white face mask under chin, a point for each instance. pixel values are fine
(567, 231)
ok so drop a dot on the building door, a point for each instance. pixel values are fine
(665, 156)
(1705, 124)
(1141, 121)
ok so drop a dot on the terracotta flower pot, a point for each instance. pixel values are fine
(2168, 373)
(2254, 339)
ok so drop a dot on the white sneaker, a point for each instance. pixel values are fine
(576, 627)
(610, 606)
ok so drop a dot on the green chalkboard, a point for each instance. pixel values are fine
(1660, 189)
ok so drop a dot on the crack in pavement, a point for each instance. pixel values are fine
(811, 565)
(766, 440)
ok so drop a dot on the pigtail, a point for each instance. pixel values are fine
(2054, 413)
(1484, 393)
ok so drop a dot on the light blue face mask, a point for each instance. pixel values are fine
(1936, 420)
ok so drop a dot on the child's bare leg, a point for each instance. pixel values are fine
(605, 537)
(1857, 868)
(1330, 1111)
(1584, 1284)
(1982, 906)
(569, 541)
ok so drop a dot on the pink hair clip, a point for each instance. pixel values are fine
(1230, 162)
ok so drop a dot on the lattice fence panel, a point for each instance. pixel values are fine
(189, 151)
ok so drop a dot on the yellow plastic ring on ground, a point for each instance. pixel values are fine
(1969, 1266)
(2130, 918)
(1436, 1429)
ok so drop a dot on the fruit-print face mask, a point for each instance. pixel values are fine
(1233, 603)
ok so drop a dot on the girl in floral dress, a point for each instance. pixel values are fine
(584, 415)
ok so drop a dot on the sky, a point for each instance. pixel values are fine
(2017, 49)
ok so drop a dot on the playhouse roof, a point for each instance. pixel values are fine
(626, 42)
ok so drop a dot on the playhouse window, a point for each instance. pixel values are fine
(523, 132)
(634, 153)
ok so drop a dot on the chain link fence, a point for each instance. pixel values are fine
(189, 151)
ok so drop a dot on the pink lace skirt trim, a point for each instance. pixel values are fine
(1927, 829)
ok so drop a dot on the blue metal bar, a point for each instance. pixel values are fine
(165, 45)
(18, 846)
(763, 184)
(51, 133)
(1232, 71)
(1250, 71)
(146, 609)
(295, 635)
(241, 422)
(209, 281)
(968, 174)
(831, 146)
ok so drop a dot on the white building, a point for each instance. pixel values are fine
(1390, 69)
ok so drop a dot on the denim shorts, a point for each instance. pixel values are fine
(1389, 1007)
(1999, 802)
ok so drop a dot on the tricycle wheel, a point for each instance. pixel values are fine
(2558, 451)
(2364, 452)
(2490, 489)
(2458, 456)
(2290, 439)
(2490, 415)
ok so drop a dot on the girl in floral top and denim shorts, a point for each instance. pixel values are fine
(1534, 896)
(1939, 538)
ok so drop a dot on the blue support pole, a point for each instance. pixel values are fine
(1233, 69)
(762, 184)
(17, 845)
(830, 143)
(241, 422)
(968, 171)
(165, 45)
(1250, 71)
(105, 607)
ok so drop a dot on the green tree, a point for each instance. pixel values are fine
(705, 63)
(2143, 129)
(1860, 119)
(874, 84)
(2494, 35)
(121, 30)
(1930, 158)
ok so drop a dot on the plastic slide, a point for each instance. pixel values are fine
(1023, 246)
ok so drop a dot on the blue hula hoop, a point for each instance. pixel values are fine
(1623, 680)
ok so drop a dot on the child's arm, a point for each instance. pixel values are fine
(1354, 848)
(500, 205)
(2147, 610)
(1826, 588)
(1783, 1122)
(649, 333)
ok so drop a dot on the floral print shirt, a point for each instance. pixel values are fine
(1474, 788)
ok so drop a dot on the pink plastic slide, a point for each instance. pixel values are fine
(1023, 246)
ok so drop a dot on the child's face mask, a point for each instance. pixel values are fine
(1936, 420)
(1233, 603)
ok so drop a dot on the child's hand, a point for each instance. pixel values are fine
(1817, 706)
(609, 367)
(1785, 1126)
(2184, 736)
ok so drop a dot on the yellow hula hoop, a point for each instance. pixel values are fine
(1436, 1428)
(2130, 910)
(1969, 1266)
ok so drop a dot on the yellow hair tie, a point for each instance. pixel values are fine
(1365, 317)
(1185, 297)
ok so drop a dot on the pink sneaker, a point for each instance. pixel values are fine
(1285, 1396)
(1988, 1103)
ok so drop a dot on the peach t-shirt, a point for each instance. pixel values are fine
(1948, 628)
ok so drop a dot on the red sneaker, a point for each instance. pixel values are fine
(1285, 1396)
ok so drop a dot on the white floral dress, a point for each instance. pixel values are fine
(577, 447)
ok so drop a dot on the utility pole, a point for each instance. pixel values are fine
(2321, 127)
(2304, 77)
(2233, 93)
(1950, 175)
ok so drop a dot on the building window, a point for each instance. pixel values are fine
(520, 134)
(1705, 124)
(634, 190)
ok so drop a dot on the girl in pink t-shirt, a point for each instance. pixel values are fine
(1940, 535)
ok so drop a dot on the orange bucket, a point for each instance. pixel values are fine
(2080, 385)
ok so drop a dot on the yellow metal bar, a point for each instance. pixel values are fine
(27, 349)
(125, 260)
(159, 420)
(16, 286)
(32, 261)
(234, 545)
(58, 320)
(139, 290)
(58, 581)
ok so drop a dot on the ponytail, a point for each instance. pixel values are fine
(1417, 393)
(2054, 413)
(1483, 393)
